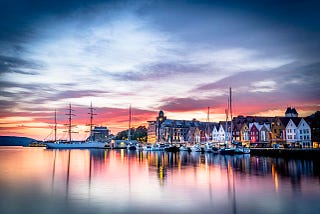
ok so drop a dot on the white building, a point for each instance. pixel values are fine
(221, 134)
(291, 132)
(215, 134)
(303, 133)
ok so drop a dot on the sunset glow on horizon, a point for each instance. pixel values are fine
(176, 56)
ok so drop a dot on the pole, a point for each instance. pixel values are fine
(129, 131)
(231, 139)
(55, 125)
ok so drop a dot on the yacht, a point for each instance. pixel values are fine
(184, 148)
(196, 148)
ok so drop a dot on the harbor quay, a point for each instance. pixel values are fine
(288, 131)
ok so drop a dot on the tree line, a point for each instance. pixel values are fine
(139, 134)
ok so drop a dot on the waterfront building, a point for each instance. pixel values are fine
(236, 132)
(291, 131)
(100, 133)
(245, 134)
(152, 132)
(224, 131)
(178, 131)
(215, 134)
(304, 133)
(314, 123)
(254, 133)
(278, 129)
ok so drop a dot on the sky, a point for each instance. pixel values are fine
(177, 56)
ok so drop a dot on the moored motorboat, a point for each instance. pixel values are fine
(196, 148)
(242, 150)
(184, 148)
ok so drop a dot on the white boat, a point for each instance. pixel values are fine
(154, 147)
(196, 148)
(209, 148)
(184, 148)
(242, 150)
(131, 146)
(139, 146)
(148, 147)
(75, 145)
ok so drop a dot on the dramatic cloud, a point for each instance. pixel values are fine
(179, 56)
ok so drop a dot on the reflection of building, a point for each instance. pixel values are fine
(169, 130)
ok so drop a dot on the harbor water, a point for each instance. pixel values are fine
(39, 180)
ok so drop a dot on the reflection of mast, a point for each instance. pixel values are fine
(68, 175)
(53, 170)
(233, 191)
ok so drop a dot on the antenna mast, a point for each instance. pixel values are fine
(55, 125)
(129, 131)
(207, 126)
(231, 116)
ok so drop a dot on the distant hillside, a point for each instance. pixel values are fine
(15, 141)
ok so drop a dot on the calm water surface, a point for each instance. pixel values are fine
(37, 180)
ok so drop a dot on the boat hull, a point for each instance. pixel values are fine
(75, 145)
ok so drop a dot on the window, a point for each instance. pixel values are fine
(300, 137)
(300, 131)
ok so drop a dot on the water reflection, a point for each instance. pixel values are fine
(120, 181)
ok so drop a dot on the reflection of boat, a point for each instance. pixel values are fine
(76, 144)
(171, 148)
(196, 148)
(227, 151)
(242, 150)
(155, 147)
(209, 148)
(131, 146)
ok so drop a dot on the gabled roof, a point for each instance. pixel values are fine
(296, 120)
(284, 120)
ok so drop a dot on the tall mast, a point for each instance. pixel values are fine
(207, 126)
(129, 131)
(91, 119)
(226, 132)
(231, 116)
(70, 121)
(55, 125)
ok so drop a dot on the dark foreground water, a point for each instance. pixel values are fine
(37, 180)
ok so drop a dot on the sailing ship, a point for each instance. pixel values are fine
(227, 149)
(90, 143)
